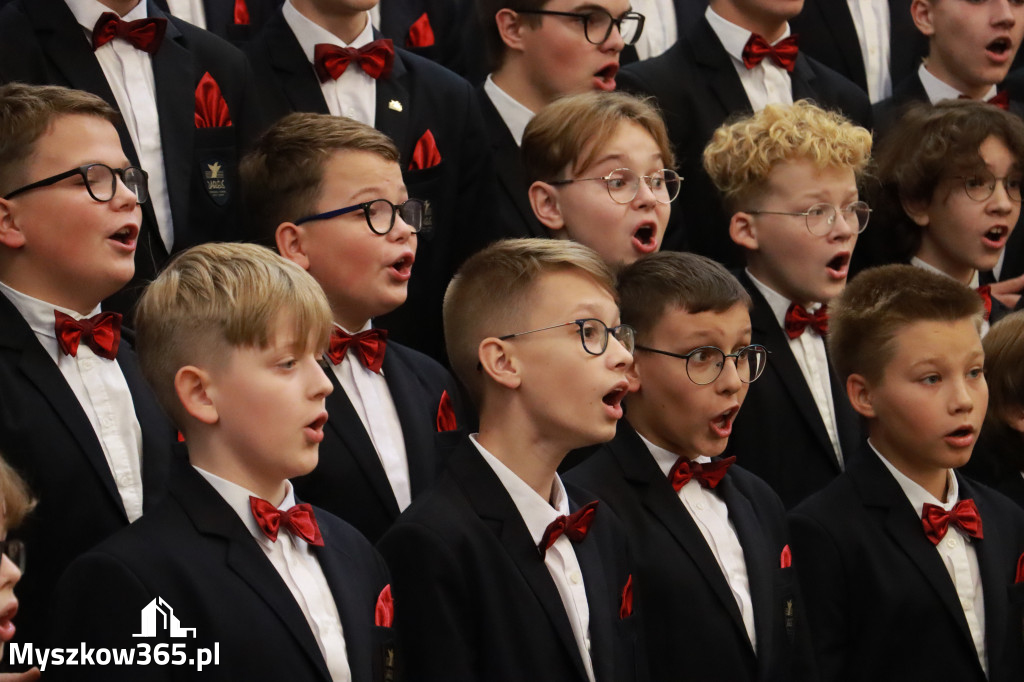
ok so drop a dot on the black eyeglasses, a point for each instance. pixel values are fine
(821, 218)
(101, 181)
(705, 364)
(380, 215)
(623, 184)
(597, 23)
(593, 335)
(980, 186)
(15, 551)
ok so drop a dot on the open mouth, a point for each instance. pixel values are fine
(962, 437)
(645, 238)
(996, 236)
(315, 429)
(605, 78)
(6, 626)
(839, 266)
(1000, 47)
(403, 266)
(126, 235)
(613, 399)
(722, 424)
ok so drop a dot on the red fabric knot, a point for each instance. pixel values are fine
(142, 34)
(384, 612)
(964, 514)
(786, 558)
(375, 58)
(298, 520)
(101, 333)
(446, 414)
(1020, 570)
(211, 108)
(708, 474)
(985, 291)
(369, 346)
(798, 319)
(1000, 99)
(783, 53)
(426, 153)
(575, 526)
(626, 605)
(421, 34)
(241, 14)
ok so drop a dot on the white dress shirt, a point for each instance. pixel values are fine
(515, 115)
(354, 94)
(370, 396)
(871, 19)
(939, 90)
(809, 351)
(767, 83)
(957, 552)
(974, 284)
(711, 515)
(191, 11)
(129, 74)
(560, 559)
(103, 393)
(300, 569)
(660, 32)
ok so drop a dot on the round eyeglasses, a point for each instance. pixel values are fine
(705, 364)
(821, 218)
(982, 185)
(15, 551)
(380, 215)
(623, 184)
(597, 23)
(100, 180)
(593, 335)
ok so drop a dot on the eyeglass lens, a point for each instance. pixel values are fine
(101, 181)
(623, 185)
(380, 215)
(704, 365)
(15, 551)
(594, 335)
(981, 186)
(598, 26)
(822, 217)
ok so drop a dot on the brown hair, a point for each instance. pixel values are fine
(15, 496)
(1004, 370)
(486, 11)
(490, 294)
(696, 284)
(562, 131)
(27, 112)
(879, 302)
(283, 173)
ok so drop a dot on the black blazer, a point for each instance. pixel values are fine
(880, 602)
(697, 89)
(779, 434)
(682, 595)
(220, 17)
(195, 553)
(349, 480)
(478, 602)
(46, 435)
(428, 97)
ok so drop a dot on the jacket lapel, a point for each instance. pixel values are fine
(992, 568)
(155, 464)
(717, 66)
(293, 71)
(335, 563)
(802, 79)
(594, 580)
(415, 418)
(394, 120)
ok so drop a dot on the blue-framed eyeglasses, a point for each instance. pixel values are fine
(380, 215)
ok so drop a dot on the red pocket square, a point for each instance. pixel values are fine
(384, 613)
(241, 13)
(626, 607)
(445, 414)
(211, 109)
(1020, 570)
(420, 33)
(786, 560)
(425, 155)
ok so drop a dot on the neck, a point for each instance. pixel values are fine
(976, 91)
(961, 273)
(121, 7)
(512, 80)
(343, 24)
(522, 449)
(81, 302)
(768, 26)
(638, 420)
(201, 455)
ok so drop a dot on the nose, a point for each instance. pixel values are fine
(320, 385)
(617, 355)
(843, 226)
(123, 197)
(1000, 201)
(10, 574)
(644, 194)
(962, 399)
(1002, 13)
(614, 42)
(728, 382)
(401, 231)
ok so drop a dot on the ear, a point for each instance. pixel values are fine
(510, 28)
(859, 392)
(499, 362)
(916, 211)
(290, 244)
(743, 231)
(1015, 418)
(921, 13)
(11, 235)
(544, 201)
(192, 386)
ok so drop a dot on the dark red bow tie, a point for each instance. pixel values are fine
(709, 474)
(575, 526)
(1000, 99)
(783, 53)
(143, 34)
(369, 346)
(798, 319)
(102, 333)
(298, 520)
(936, 520)
(376, 58)
(985, 291)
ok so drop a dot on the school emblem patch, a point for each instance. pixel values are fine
(215, 180)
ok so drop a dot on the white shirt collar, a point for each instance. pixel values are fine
(87, 12)
(515, 115)
(666, 459)
(776, 301)
(917, 262)
(917, 495)
(938, 90)
(237, 498)
(39, 314)
(733, 38)
(310, 34)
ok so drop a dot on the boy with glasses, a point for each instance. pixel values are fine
(393, 410)
(601, 169)
(709, 539)
(789, 177)
(76, 417)
(498, 572)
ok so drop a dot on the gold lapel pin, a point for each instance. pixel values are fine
(395, 105)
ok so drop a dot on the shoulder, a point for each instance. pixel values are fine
(206, 45)
(420, 363)
(428, 71)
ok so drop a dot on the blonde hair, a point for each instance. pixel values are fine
(742, 154)
(490, 294)
(15, 496)
(214, 297)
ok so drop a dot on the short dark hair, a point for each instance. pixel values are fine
(486, 9)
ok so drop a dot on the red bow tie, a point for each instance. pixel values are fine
(298, 520)
(369, 346)
(376, 58)
(783, 53)
(936, 520)
(102, 333)
(709, 474)
(575, 526)
(1000, 99)
(798, 319)
(985, 292)
(143, 34)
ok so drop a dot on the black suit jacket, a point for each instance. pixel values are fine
(220, 17)
(779, 434)
(682, 594)
(478, 602)
(418, 96)
(697, 88)
(880, 602)
(349, 480)
(195, 553)
(42, 43)
(46, 435)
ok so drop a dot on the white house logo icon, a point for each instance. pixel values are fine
(158, 616)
